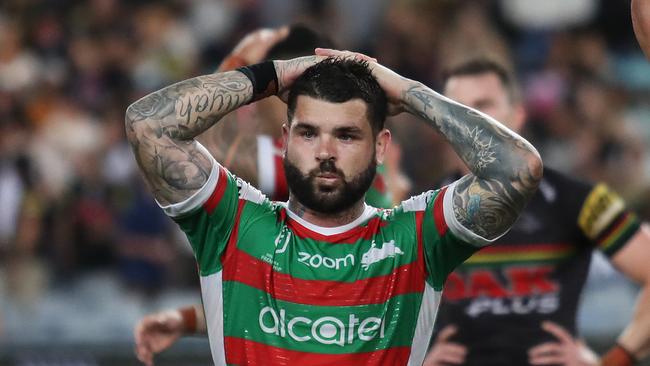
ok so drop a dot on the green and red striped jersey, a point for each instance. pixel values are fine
(278, 290)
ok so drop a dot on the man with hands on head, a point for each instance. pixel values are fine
(256, 156)
(325, 278)
(515, 303)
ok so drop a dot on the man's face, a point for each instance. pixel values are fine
(331, 153)
(486, 93)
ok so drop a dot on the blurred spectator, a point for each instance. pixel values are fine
(73, 208)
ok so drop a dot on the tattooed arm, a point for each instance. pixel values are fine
(163, 125)
(505, 168)
(234, 143)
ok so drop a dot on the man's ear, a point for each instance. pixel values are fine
(285, 137)
(381, 145)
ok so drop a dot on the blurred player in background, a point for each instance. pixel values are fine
(515, 303)
(250, 145)
(641, 23)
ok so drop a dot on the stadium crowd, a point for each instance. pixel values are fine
(76, 221)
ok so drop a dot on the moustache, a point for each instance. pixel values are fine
(327, 167)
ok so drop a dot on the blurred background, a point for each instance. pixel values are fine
(85, 251)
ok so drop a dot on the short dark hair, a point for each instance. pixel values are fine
(301, 41)
(484, 65)
(339, 80)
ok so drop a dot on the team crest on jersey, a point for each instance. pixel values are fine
(374, 254)
(282, 240)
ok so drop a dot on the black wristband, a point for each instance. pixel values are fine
(263, 77)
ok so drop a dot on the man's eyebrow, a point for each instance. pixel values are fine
(305, 125)
(348, 129)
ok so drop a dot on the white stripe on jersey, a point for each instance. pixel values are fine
(211, 290)
(249, 193)
(424, 328)
(417, 203)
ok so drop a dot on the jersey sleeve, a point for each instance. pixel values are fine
(446, 243)
(207, 217)
(605, 221)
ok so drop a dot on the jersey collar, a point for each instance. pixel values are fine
(368, 212)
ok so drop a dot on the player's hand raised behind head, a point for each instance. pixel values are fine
(393, 84)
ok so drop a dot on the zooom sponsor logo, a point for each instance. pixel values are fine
(317, 260)
(324, 330)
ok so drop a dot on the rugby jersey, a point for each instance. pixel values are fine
(278, 290)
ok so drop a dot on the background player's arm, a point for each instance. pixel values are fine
(163, 125)
(641, 23)
(633, 260)
(505, 168)
(234, 143)
(158, 331)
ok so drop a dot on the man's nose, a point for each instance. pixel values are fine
(326, 149)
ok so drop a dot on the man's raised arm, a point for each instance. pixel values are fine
(505, 168)
(162, 126)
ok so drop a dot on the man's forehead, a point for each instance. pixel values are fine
(324, 114)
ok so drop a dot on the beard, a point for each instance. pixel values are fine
(327, 199)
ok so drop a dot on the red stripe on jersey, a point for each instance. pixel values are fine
(439, 214)
(256, 273)
(362, 232)
(419, 219)
(215, 198)
(231, 247)
(246, 352)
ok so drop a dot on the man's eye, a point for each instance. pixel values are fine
(308, 134)
(346, 137)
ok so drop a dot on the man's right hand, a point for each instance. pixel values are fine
(445, 352)
(156, 332)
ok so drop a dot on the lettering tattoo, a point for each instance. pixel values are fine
(505, 168)
(161, 128)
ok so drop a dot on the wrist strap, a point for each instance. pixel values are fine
(188, 314)
(263, 77)
(618, 356)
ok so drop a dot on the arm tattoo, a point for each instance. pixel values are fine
(505, 168)
(161, 128)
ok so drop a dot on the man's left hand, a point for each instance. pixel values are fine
(567, 351)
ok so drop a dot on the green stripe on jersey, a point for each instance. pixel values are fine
(319, 329)
(208, 233)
